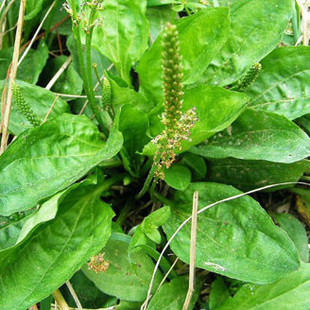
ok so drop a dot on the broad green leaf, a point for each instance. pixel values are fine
(178, 177)
(158, 18)
(291, 292)
(201, 37)
(126, 279)
(250, 174)
(196, 164)
(258, 135)
(216, 109)
(171, 296)
(282, 86)
(128, 305)
(304, 122)
(256, 29)
(40, 101)
(237, 238)
(69, 81)
(30, 68)
(33, 269)
(218, 294)
(296, 232)
(47, 159)
(124, 33)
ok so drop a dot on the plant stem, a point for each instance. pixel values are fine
(60, 300)
(7, 112)
(94, 65)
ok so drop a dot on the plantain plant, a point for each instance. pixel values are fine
(121, 111)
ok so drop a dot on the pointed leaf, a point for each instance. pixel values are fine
(258, 135)
(236, 238)
(47, 159)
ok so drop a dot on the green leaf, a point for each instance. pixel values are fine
(256, 29)
(178, 177)
(30, 68)
(201, 37)
(171, 296)
(40, 101)
(33, 7)
(196, 164)
(236, 238)
(281, 86)
(296, 232)
(47, 159)
(133, 124)
(126, 279)
(228, 107)
(33, 269)
(249, 174)
(291, 292)
(69, 82)
(258, 135)
(157, 17)
(124, 33)
(148, 229)
(219, 293)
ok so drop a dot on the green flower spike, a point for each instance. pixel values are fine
(24, 107)
(249, 77)
(177, 124)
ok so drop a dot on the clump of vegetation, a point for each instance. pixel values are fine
(154, 155)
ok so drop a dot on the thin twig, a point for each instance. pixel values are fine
(36, 33)
(59, 73)
(8, 105)
(50, 109)
(74, 295)
(167, 274)
(62, 304)
(75, 96)
(144, 306)
(191, 280)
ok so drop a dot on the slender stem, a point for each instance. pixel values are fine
(74, 295)
(8, 105)
(94, 65)
(60, 300)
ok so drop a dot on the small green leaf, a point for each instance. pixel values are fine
(256, 29)
(282, 86)
(249, 174)
(171, 296)
(47, 159)
(204, 31)
(196, 164)
(178, 177)
(236, 238)
(126, 279)
(219, 293)
(148, 229)
(124, 33)
(258, 135)
(291, 292)
(296, 232)
(36, 267)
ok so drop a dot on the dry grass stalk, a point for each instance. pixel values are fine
(61, 302)
(59, 73)
(7, 111)
(74, 295)
(191, 280)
